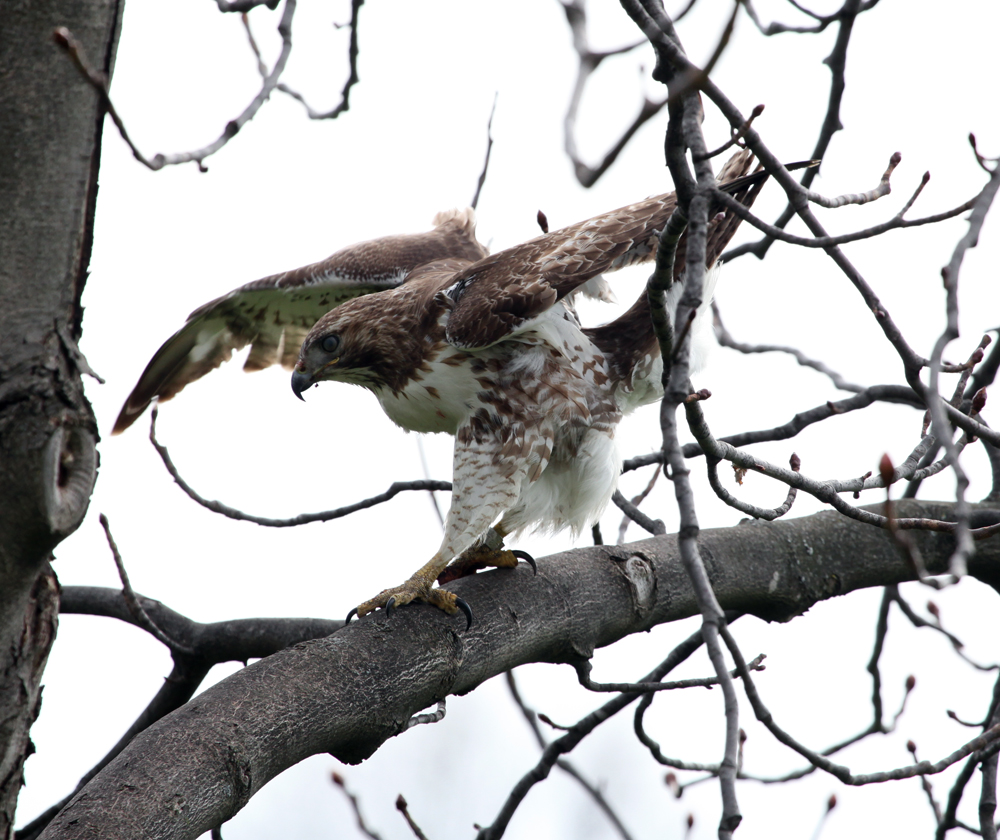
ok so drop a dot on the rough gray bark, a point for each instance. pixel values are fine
(350, 692)
(50, 132)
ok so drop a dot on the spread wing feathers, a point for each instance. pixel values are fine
(497, 295)
(275, 314)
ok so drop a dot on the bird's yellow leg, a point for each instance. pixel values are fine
(489, 551)
(420, 587)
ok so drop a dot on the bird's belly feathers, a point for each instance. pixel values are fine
(574, 488)
(438, 399)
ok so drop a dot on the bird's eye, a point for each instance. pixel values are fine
(330, 344)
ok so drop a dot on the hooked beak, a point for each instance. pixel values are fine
(300, 382)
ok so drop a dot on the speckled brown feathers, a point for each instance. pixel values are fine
(498, 294)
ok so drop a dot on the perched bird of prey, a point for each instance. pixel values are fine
(484, 347)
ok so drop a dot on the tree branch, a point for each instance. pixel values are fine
(349, 692)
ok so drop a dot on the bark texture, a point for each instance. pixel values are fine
(348, 693)
(50, 130)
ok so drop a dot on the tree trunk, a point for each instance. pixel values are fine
(50, 136)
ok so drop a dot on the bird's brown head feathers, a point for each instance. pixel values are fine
(380, 340)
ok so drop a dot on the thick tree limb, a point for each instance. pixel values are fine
(348, 693)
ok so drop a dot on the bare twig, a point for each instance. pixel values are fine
(925, 783)
(427, 477)
(338, 780)
(940, 422)
(563, 764)
(831, 803)
(583, 674)
(883, 188)
(486, 162)
(138, 612)
(982, 747)
(429, 717)
(769, 514)
(949, 819)
(822, 21)
(565, 744)
(352, 78)
(403, 808)
(917, 621)
(64, 38)
(736, 134)
(836, 61)
(589, 61)
(775, 232)
(652, 526)
(395, 489)
(724, 338)
(635, 502)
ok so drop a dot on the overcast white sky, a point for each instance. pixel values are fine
(288, 191)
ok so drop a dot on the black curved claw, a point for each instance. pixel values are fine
(351, 615)
(464, 607)
(527, 558)
(390, 605)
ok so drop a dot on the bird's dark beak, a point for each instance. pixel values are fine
(300, 382)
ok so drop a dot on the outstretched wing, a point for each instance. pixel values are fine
(275, 314)
(498, 294)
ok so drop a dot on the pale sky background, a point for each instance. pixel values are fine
(288, 191)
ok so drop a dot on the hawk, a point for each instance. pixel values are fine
(486, 348)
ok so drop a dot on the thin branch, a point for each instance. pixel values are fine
(589, 61)
(895, 223)
(64, 38)
(135, 607)
(576, 734)
(403, 808)
(245, 5)
(429, 717)
(583, 669)
(652, 526)
(352, 78)
(822, 21)
(826, 491)
(635, 502)
(563, 764)
(427, 477)
(725, 339)
(837, 63)
(900, 394)
(486, 162)
(925, 783)
(339, 781)
(981, 747)
(395, 489)
(770, 514)
(940, 422)
(883, 188)
(737, 134)
(919, 622)
(949, 819)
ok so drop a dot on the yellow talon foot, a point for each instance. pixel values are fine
(413, 590)
(482, 556)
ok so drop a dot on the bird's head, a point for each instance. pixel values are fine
(346, 345)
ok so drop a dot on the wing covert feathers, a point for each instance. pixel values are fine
(498, 294)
